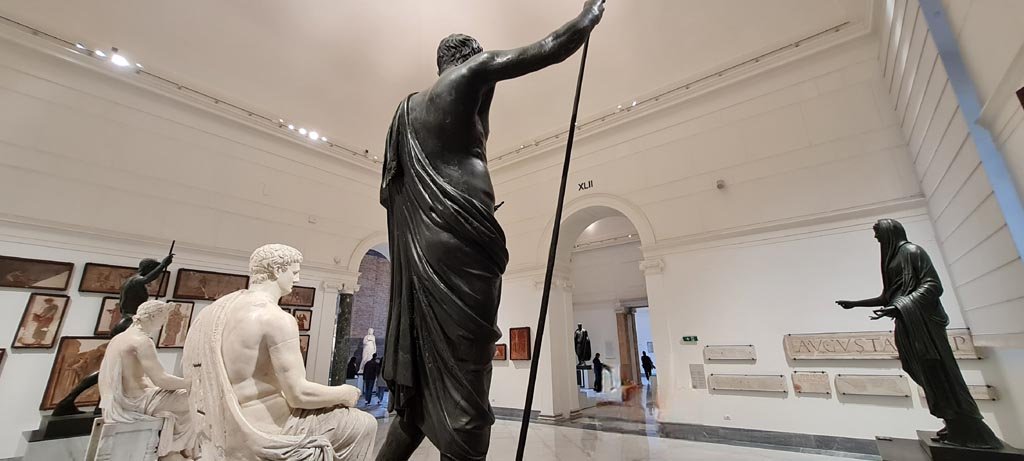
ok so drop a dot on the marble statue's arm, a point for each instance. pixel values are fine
(159, 269)
(492, 66)
(282, 336)
(145, 351)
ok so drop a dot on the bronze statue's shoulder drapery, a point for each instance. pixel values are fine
(447, 257)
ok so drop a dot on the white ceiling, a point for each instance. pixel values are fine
(341, 66)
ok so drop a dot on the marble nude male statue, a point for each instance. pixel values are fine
(134, 386)
(248, 381)
(133, 294)
(910, 296)
(448, 251)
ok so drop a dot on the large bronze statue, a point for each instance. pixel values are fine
(910, 296)
(133, 294)
(448, 251)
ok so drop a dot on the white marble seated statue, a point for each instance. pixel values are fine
(134, 387)
(369, 348)
(248, 381)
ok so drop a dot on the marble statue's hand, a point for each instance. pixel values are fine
(845, 304)
(349, 395)
(889, 311)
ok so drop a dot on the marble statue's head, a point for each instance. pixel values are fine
(147, 265)
(369, 331)
(152, 315)
(275, 263)
(456, 49)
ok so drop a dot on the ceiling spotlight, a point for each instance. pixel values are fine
(303, 131)
(117, 59)
(634, 104)
(324, 139)
(619, 107)
(280, 120)
(80, 46)
(375, 157)
(291, 127)
(139, 66)
(100, 54)
(314, 135)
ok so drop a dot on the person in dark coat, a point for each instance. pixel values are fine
(599, 367)
(370, 372)
(647, 364)
(353, 368)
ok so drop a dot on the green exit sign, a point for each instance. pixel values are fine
(689, 339)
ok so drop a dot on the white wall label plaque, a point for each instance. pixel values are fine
(739, 352)
(811, 382)
(757, 383)
(698, 380)
(978, 391)
(864, 345)
(884, 385)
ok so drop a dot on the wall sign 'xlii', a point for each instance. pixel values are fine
(586, 184)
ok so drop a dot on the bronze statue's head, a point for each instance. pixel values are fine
(147, 265)
(456, 49)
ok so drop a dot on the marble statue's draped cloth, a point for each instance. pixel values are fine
(447, 257)
(912, 285)
(309, 435)
(178, 432)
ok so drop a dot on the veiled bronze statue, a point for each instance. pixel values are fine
(448, 251)
(910, 296)
(133, 294)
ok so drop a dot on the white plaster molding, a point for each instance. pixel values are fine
(632, 212)
(1001, 341)
(343, 285)
(364, 246)
(1003, 104)
(652, 266)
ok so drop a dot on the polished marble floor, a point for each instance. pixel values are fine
(558, 443)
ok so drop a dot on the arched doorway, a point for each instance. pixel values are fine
(370, 314)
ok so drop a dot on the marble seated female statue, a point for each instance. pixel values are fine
(248, 381)
(369, 348)
(134, 386)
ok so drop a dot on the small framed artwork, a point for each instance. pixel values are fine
(299, 297)
(519, 339)
(304, 346)
(41, 321)
(1020, 96)
(35, 273)
(175, 329)
(500, 352)
(109, 316)
(108, 279)
(304, 317)
(77, 357)
(206, 285)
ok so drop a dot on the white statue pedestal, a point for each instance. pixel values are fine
(125, 441)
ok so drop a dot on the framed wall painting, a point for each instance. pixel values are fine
(299, 297)
(304, 346)
(108, 279)
(40, 322)
(519, 341)
(35, 273)
(77, 357)
(109, 316)
(304, 317)
(175, 329)
(207, 286)
(500, 352)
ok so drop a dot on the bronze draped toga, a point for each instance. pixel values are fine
(447, 257)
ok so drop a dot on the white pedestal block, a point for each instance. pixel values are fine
(127, 442)
(67, 449)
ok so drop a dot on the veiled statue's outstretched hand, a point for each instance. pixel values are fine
(885, 312)
(846, 304)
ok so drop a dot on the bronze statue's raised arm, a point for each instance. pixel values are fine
(153, 274)
(494, 66)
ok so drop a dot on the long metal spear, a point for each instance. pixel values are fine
(546, 294)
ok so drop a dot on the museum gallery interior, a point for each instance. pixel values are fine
(531, 230)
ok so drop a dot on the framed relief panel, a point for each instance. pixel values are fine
(35, 273)
(77, 357)
(105, 278)
(206, 285)
(500, 352)
(175, 329)
(519, 340)
(303, 317)
(109, 316)
(304, 346)
(299, 297)
(40, 322)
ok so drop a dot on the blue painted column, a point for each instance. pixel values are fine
(992, 159)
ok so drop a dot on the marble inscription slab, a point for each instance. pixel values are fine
(811, 382)
(978, 391)
(730, 352)
(884, 385)
(758, 383)
(864, 345)
(698, 380)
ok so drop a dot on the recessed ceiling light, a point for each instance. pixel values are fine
(302, 131)
(634, 103)
(80, 46)
(280, 120)
(291, 127)
(119, 60)
(100, 54)
(324, 139)
(139, 66)
(314, 135)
